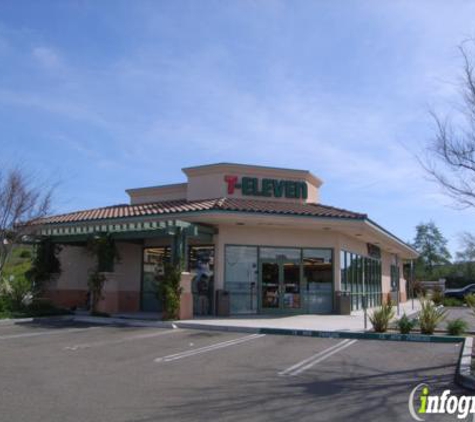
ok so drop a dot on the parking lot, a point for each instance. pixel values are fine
(60, 371)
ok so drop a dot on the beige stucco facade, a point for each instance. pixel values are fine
(293, 229)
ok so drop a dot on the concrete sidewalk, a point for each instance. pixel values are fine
(351, 323)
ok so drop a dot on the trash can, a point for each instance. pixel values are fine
(222, 303)
(343, 303)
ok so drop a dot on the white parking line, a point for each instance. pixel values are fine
(308, 363)
(121, 340)
(210, 348)
(45, 333)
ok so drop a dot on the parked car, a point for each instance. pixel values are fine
(460, 293)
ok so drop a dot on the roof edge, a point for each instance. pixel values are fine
(217, 166)
(393, 236)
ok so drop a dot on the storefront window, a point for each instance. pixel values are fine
(344, 273)
(318, 277)
(361, 276)
(280, 253)
(241, 278)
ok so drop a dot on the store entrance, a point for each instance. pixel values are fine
(280, 285)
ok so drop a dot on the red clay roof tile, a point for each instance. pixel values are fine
(219, 204)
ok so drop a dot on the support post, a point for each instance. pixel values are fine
(411, 277)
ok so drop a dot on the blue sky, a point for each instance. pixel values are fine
(101, 96)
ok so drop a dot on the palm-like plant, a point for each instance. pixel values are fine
(381, 317)
(430, 316)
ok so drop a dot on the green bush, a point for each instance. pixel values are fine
(452, 301)
(457, 327)
(16, 292)
(417, 288)
(437, 296)
(25, 254)
(95, 283)
(45, 263)
(169, 290)
(100, 314)
(430, 316)
(43, 307)
(406, 324)
(381, 317)
(470, 300)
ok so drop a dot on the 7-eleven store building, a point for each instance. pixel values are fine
(253, 239)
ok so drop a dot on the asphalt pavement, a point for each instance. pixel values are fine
(63, 371)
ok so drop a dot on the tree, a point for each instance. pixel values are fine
(465, 258)
(21, 201)
(450, 156)
(467, 242)
(432, 247)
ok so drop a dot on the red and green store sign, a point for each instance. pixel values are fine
(272, 188)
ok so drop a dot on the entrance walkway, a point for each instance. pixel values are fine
(354, 322)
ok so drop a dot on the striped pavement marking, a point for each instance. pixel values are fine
(310, 362)
(210, 348)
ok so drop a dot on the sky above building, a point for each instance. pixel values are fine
(100, 96)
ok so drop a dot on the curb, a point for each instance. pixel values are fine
(463, 375)
(227, 328)
(14, 321)
(420, 338)
(124, 321)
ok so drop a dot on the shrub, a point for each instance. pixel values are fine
(405, 324)
(380, 317)
(452, 301)
(437, 296)
(470, 300)
(100, 314)
(95, 283)
(430, 316)
(169, 290)
(457, 327)
(45, 263)
(416, 288)
(44, 307)
(16, 292)
(25, 254)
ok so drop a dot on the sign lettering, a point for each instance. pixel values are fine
(253, 186)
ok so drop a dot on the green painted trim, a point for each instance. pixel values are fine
(207, 212)
(191, 232)
(420, 338)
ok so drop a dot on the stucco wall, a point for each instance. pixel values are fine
(127, 272)
(75, 264)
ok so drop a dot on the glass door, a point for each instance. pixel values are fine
(290, 284)
(280, 284)
(270, 285)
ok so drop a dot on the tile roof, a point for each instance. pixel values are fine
(181, 206)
